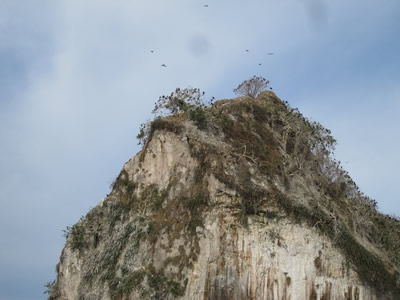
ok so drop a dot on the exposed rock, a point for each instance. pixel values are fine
(249, 208)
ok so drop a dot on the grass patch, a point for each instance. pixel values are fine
(154, 196)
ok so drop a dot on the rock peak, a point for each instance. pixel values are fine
(238, 200)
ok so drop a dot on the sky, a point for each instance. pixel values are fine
(77, 78)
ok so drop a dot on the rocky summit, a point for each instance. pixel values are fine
(237, 200)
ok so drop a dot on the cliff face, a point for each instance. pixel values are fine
(248, 207)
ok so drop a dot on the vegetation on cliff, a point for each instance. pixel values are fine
(278, 140)
(265, 151)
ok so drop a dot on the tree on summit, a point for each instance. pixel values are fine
(252, 87)
(180, 100)
(189, 100)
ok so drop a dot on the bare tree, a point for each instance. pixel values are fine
(252, 87)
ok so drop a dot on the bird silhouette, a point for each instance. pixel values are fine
(206, 5)
(152, 51)
(247, 50)
(259, 64)
(270, 53)
(164, 65)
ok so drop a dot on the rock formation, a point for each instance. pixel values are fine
(249, 206)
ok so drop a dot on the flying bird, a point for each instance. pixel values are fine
(206, 5)
(259, 64)
(152, 51)
(247, 50)
(164, 65)
(270, 53)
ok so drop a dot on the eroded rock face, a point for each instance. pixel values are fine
(176, 226)
(273, 260)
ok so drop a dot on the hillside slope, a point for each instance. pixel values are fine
(246, 204)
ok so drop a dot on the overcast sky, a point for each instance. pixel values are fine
(77, 78)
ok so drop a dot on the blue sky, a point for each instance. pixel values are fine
(77, 79)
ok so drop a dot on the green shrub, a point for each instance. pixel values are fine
(76, 235)
(180, 100)
(186, 100)
(144, 133)
(51, 290)
(198, 115)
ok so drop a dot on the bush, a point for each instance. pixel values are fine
(198, 115)
(252, 87)
(188, 100)
(51, 289)
(144, 132)
(180, 100)
(76, 233)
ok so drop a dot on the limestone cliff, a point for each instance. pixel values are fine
(247, 206)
